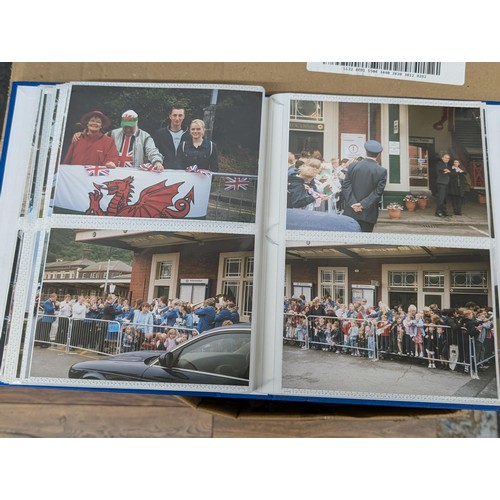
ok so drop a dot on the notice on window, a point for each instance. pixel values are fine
(429, 72)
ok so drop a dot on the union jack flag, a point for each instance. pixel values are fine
(126, 153)
(236, 183)
(194, 169)
(149, 167)
(96, 170)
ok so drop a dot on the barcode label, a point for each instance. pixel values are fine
(429, 72)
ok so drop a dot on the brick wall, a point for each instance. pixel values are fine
(196, 262)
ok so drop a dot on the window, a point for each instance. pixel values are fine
(93, 275)
(164, 270)
(236, 280)
(434, 279)
(163, 277)
(224, 354)
(403, 279)
(333, 282)
(469, 279)
(306, 111)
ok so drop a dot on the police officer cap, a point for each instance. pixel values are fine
(373, 147)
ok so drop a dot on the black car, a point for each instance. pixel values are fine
(220, 356)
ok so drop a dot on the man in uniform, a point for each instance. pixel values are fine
(363, 187)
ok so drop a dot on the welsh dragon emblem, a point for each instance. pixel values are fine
(154, 201)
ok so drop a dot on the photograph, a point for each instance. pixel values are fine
(160, 151)
(382, 319)
(137, 306)
(387, 166)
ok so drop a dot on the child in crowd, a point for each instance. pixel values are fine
(431, 344)
(170, 341)
(442, 344)
(301, 331)
(401, 334)
(148, 343)
(128, 336)
(353, 338)
(418, 339)
(290, 330)
(183, 337)
(159, 341)
(337, 336)
(370, 332)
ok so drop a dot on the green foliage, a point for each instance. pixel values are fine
(62, 245)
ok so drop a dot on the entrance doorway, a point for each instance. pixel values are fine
(421, 154)
(402, 298)
(433, 298)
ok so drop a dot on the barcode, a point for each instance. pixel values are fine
(428, 72)
(421, 68)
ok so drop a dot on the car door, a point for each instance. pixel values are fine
(221, 358)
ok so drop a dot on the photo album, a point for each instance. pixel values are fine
(213, 240)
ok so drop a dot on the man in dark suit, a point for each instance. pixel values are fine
(442, 181)
(363, 187)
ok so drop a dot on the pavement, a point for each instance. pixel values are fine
(473, 222)
(328, 371)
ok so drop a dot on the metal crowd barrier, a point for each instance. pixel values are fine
(98, 335)
(454, 349)
(233, 197)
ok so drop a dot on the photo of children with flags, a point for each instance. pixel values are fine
(160, 152)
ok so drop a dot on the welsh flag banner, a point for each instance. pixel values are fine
(128, 192)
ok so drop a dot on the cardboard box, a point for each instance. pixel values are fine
(480, 84)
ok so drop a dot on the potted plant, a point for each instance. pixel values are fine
(394, 210)
(410, 202)
(422, 201)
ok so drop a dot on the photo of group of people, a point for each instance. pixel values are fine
(160, 152)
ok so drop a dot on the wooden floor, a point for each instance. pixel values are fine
(49, 413)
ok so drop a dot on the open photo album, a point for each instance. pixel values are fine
(213, 240)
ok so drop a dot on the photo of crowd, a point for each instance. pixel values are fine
(388, 318)
(440, 338)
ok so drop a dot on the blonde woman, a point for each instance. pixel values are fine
(197, 151)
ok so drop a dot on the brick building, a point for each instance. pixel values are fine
(448, 277)
(189, 266)
(86, 277)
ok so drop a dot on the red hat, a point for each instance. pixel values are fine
(106, 122)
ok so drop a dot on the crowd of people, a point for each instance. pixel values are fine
(347, 190)
(172, 147)
(112, 325)
(354, 187)
(440, 337)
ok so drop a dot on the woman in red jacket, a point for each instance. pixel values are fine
(93, 147)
